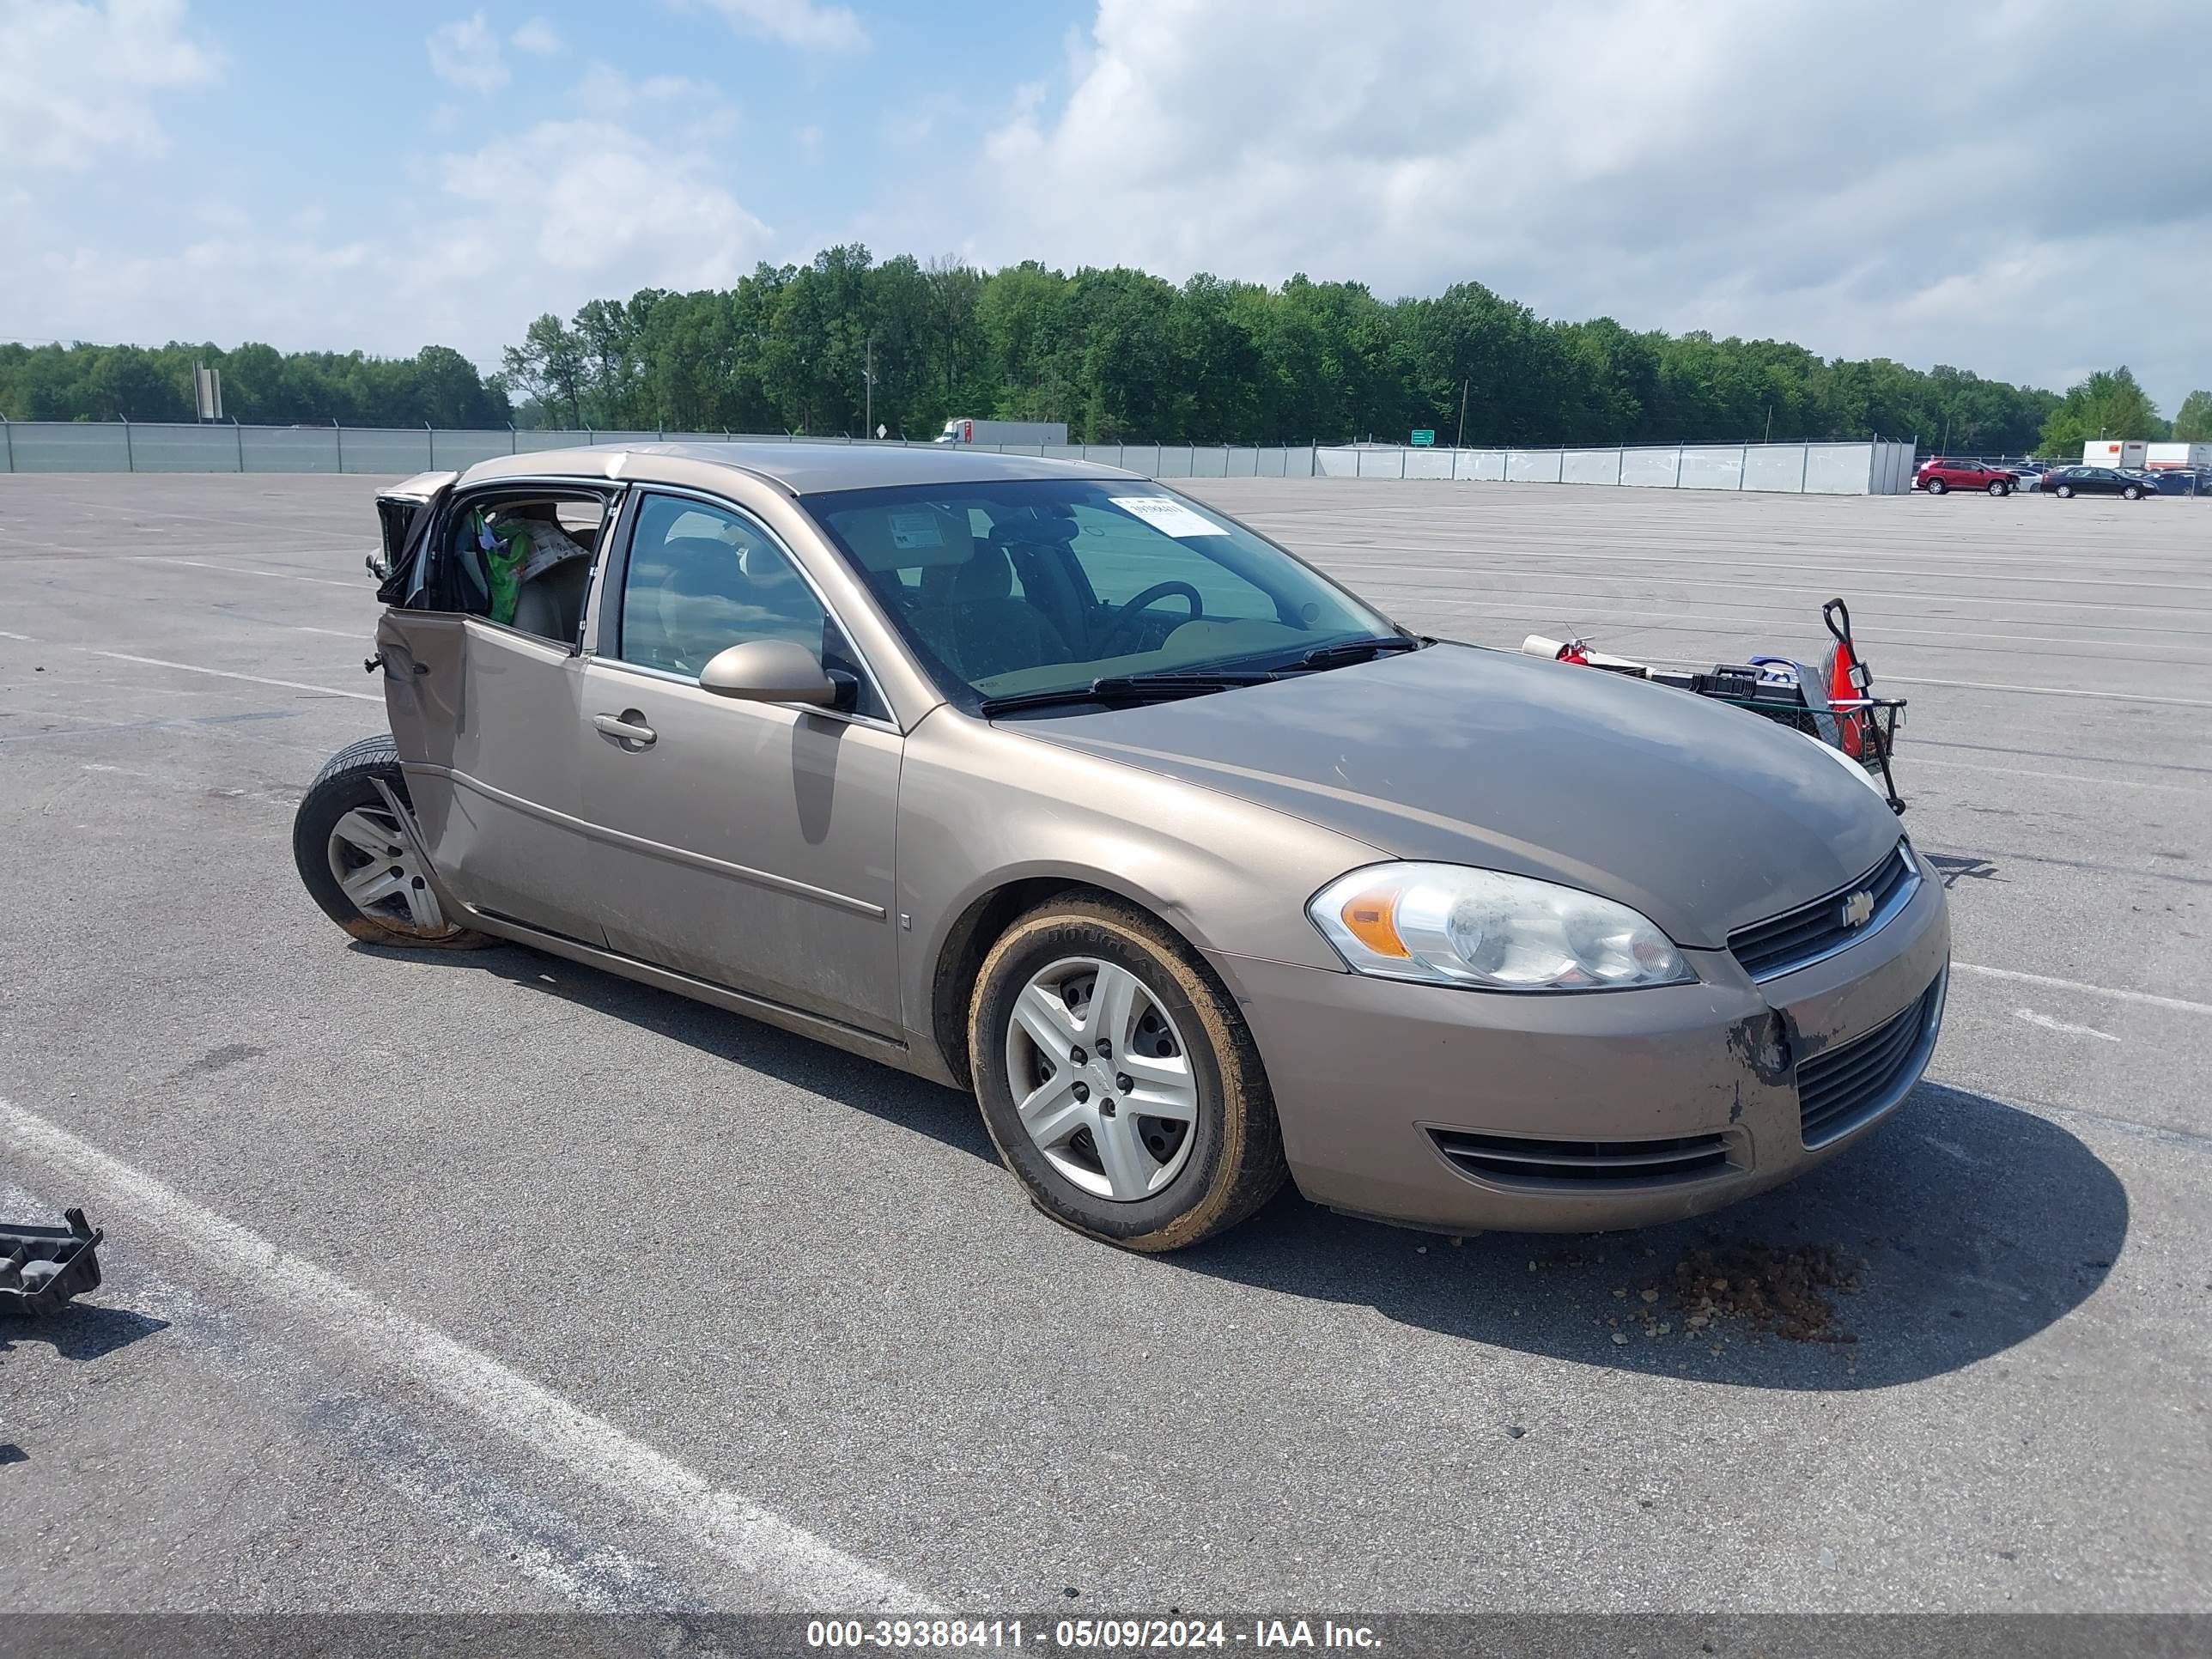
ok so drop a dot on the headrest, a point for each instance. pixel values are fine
(1051, 527)
(985, 576)
(698, 564)
(909, 537)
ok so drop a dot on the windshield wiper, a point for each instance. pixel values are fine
(1351, 651)
(1157, 684)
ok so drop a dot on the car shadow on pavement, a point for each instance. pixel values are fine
(947, 1115)
(81, 1331)
(1960, 1229)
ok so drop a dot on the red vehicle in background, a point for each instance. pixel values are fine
(1939, 477)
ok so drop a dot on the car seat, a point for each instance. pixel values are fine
(700, 602)
(551, 604)
(975, 623)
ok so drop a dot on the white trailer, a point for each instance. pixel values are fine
(2122, 452)
(963, 429)
(2159, 457)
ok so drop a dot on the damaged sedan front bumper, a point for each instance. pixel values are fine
(1467, 1111)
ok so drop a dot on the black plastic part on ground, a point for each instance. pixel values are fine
(42, 1268)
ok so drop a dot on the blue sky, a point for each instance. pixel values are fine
(346, 175)
(800, 106)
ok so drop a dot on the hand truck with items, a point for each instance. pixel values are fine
(1833, 704)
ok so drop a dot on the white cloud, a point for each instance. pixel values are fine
(796, 22)
(77, 79)
(590, 208)
(465, 53)
(541, 219)
(1741, 167)
(536, 36)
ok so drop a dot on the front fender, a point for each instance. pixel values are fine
(983, 808)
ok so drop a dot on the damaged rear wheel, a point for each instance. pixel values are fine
(356, 862)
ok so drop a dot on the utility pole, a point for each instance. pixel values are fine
(1461, 441)
(868, 376)
(1769, 438)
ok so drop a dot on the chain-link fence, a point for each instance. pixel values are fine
(1841, 469)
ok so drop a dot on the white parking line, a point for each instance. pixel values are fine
(254, 679)
(2055, 691)
(246, 570)
(26, 638)
(1977, 685)
(1920, 760)
(2050, 1024)
(787, 1558)
(2111, 991)
(1825, 570)
(1874, 634)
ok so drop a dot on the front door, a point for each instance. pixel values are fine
(745, 844)
(484, 715)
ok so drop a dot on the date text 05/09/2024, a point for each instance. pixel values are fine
(1087, 1635)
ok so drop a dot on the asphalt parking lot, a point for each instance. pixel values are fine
(488, 1281)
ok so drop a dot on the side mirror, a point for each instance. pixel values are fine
(769, 670)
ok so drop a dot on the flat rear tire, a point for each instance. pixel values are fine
(361, 870)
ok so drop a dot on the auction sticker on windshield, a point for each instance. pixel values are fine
(915, 529)
(1168, 515)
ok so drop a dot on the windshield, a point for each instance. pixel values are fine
(1019, 587)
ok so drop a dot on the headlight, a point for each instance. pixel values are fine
(1449, 925)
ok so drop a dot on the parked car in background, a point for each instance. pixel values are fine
(2027, 475)
(2068, 481)
(1939, 477)
(2184, 480)
(1037, 779)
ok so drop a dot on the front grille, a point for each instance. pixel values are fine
(1519, 1162)
(1798, 938)
(1843, 1087)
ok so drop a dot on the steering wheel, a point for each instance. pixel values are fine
(1127, 618)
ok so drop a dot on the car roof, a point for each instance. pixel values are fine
(799, 467)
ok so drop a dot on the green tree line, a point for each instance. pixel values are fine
(1122, 354)
(833, 346)
(261, 385)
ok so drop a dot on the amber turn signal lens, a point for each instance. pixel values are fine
(1367, 918)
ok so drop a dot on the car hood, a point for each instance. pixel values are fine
(1704, 818)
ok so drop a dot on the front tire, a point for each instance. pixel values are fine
(1999, 486)
(357, 866)
(2131, 494)
(1118, 1080)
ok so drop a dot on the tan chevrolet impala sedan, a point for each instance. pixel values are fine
(1041, 779)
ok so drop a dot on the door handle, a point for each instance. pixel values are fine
(630, 727)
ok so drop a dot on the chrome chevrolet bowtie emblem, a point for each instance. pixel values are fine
(1859, 909)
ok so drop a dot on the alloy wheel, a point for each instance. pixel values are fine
(378, 871)
(1102, 1078)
